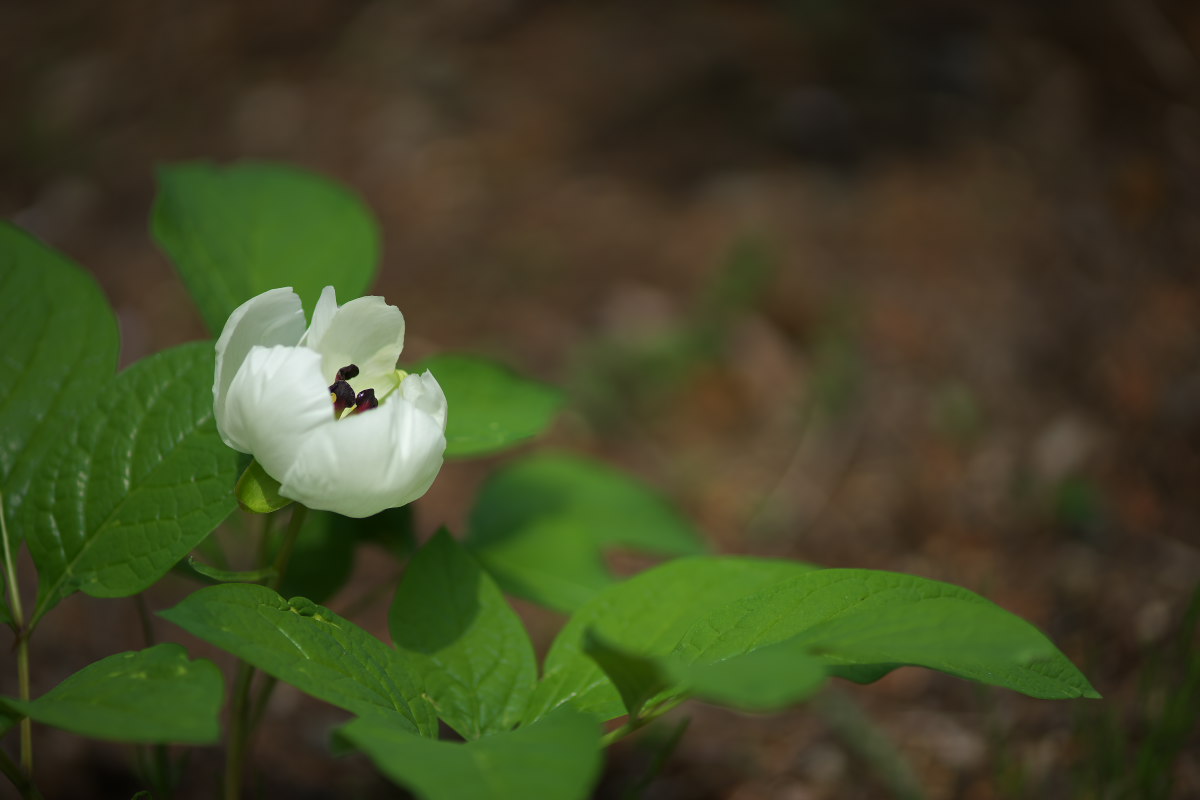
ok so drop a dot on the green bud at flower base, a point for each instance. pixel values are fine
(323, 409)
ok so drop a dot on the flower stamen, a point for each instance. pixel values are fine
(365, 401)
(343, 396)
(346, 373)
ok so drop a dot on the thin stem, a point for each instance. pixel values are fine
(243, 715)
(235, 756)
(288, 545)
(23, 690)
(19, 780)
(260, 701)
(144, 616)
(18, 615)
(640, 722)
(164, 770)
(10, 570)
(661, 755)
(156, 757)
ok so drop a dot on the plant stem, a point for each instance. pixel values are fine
(288, 544)
(143, 610)
(23, 691)
(244, 716)
(863, 738)
(19, 779)
(640, 722)
(661, 754)
(18, 615)
(235, 756)
(260, 702)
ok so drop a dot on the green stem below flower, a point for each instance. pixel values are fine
(244, 715)
(288, 545)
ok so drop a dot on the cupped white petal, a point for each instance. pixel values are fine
(322, 315)
(366, 332)
(275, 403)
(272, 318)
(424, 392)
(382, 458)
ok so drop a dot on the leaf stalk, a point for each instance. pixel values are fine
(18, 615)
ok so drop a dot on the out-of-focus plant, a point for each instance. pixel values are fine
(113, 479)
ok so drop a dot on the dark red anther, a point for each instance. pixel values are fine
(346, 373)
(343, 397)
(365, 400)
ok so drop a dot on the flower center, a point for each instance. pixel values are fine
(343, 396)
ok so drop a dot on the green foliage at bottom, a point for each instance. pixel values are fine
(308, 646)
(558, 758)
(153, 695)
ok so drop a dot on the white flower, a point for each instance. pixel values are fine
(272, 399)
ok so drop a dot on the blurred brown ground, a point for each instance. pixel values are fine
(967, 343)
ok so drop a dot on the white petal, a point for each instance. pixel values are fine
(366, 332)
(322, 315)
(424, 392)
(271, 318)
(276, 402)
(382, 458)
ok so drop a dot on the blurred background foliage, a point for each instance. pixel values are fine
(901, 285)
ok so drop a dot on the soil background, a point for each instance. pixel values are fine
(899, 285)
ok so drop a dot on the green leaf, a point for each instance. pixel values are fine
(557, 758)
(8, 719)
(491, 408)
(540, 526)
(767, 679)
(229, 576)
(153, 695)
(309, 647)
(60, 343)
(258, 492)
(637, 678)
(136, 484)
(697, 612)
(646, 615)
(235, 232)
(865, 617)
(468, 646)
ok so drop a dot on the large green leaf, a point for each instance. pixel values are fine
(469, 647)
(861, 623)
(540, 526)
(60, 344)
(870, 618)
(646, 615)
(766, 679)
(558, 758)
(153, 695)
(235, 232)
(637, 678)
(491, 408)
(140, 480)
(309, 647)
